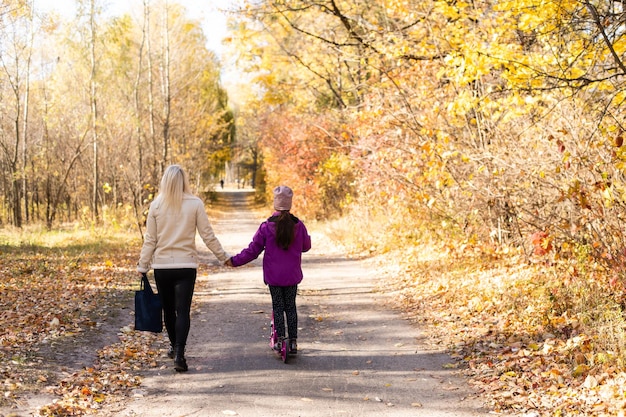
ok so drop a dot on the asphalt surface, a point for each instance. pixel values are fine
(357, 356)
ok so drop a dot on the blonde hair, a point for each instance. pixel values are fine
(174, 185)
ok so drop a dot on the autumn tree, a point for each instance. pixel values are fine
(18, 27)
(286, 111)
(100, 100)
(493, 119)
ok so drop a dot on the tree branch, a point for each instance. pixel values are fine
(596, 19)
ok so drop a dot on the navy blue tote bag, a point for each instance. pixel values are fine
(148, 311)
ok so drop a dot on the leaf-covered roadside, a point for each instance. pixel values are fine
(57, 296)
(496, 313)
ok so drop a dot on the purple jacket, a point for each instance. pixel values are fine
(281, 267)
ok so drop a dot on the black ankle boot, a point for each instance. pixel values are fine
(180, 363)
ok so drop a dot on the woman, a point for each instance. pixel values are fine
(169, 248)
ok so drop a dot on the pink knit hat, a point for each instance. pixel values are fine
(282, 198)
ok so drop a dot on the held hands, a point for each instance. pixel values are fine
(229, 262)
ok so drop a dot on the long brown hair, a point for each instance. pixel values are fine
(285, 225)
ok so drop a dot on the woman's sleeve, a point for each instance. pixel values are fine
(253, 250)
(208, 237)
(149, 242)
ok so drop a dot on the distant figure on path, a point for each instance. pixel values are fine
(284, 238)
(222, 183)
(169, 248)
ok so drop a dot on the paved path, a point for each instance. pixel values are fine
(357, 357)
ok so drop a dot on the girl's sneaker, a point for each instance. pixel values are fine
(278, 345)
(293, 347)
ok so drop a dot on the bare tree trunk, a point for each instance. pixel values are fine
(17, 207)
(26, 104)
(151, 115)
(13, 152)
(138, 189)
(94, 111)
(167, 99)
(255, 164)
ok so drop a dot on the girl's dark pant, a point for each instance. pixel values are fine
(284, 304)
(175, 288)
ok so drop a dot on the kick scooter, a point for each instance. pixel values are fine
(282, 344)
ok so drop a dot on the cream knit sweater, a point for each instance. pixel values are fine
(170, 238)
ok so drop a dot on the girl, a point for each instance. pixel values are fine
(169, 247)
(283, 237)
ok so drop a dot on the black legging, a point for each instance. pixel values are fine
(284, 304)
(175, 288)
